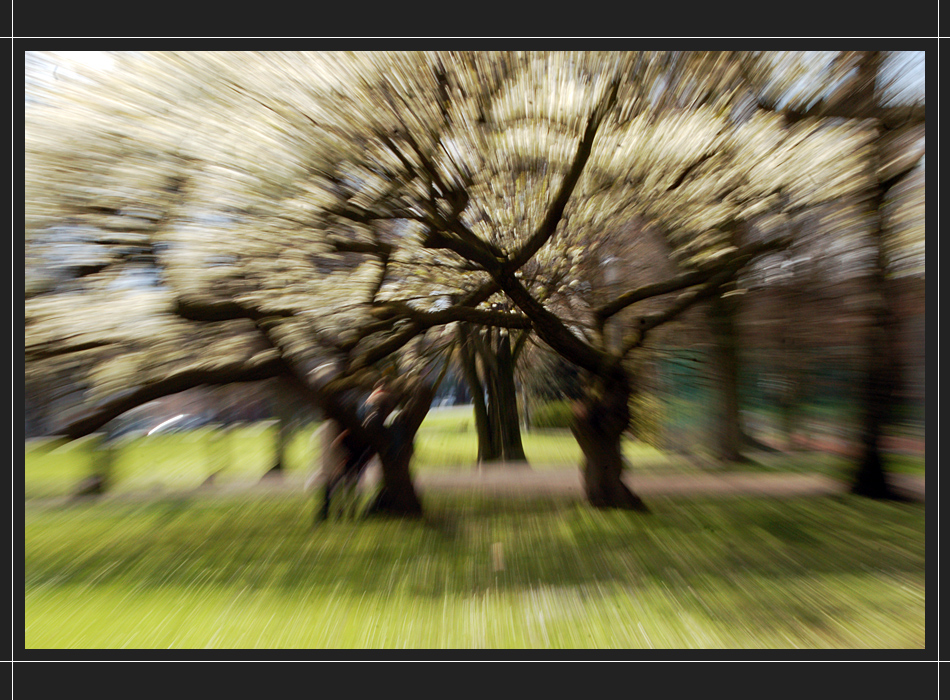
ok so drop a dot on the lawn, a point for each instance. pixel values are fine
(447, 441)
(538, 573)
(180, 570)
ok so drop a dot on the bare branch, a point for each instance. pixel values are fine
(387, 347)
(60, 347)
(689, 279)
(344, 245)
(91, 419)
(519, 345)
(194, 309)
(429, 319)
(551, 220)
(691, 168)
(465, 243)
(552, 330)
(684, 302)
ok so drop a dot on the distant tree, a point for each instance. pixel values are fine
(488, 359)
(871, 92)
(870, 89)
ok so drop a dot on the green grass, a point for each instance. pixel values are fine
(447, 441)
(251, 572)
(168, 461)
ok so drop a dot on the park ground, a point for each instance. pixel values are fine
(774, 554)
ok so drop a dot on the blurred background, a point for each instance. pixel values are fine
(210, 235)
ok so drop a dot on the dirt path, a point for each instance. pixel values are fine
(736, 483)
(508, 481)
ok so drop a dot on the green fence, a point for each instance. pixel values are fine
(815, 390)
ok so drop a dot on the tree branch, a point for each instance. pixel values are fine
(684, 302)
(387, 347)
(50, 349)
(689, 279)
(199, 310)
(551, 220)
(91, 419)
(551, 329)
(520, 344)
(690, 168)
(393, 312)
(464, 241)
(344, 245)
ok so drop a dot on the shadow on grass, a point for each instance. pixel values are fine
(471, 544)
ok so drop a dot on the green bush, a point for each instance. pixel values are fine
(553, 414)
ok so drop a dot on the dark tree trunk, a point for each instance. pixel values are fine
(496, 420)
(487, 449)
(723, 314)
(397, 495)
(285, 416)
(392, 443)
(504, 399)
(870, 477)
(600, 419)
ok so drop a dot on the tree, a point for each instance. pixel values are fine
(896, 122)
(488, 358)
(320, 215)
(812, 86)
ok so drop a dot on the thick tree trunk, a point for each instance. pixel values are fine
(600, 419)
(870, 477)
(728, 431)
(397, 495)
(496, 420)
(504, 400)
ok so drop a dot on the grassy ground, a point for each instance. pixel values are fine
(524, 572)
(530, 572)
(446, 441)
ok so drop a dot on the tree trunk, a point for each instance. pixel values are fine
(397, 496)
(504, 400)
(284, 414)
(600, 419)
(870, 477)
(497, 422)
(728, 432)
(487, 450)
